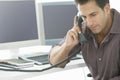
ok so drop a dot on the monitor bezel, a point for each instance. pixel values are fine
(27, 43)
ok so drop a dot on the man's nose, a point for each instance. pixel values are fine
(89, 21)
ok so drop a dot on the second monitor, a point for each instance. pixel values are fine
(58, 19)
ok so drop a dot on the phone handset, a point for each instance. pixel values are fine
(81, 35)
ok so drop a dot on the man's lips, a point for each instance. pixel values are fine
(93, 27)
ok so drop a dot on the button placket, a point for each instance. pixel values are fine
(99, 58)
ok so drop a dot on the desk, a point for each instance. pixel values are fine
(73, 65)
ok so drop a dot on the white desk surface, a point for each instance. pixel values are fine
(74, 67)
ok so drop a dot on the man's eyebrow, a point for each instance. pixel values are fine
(92, 13)
(89, 14)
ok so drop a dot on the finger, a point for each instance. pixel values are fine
(76, 27)
(73, 34)
(76, 21)
(74, 31)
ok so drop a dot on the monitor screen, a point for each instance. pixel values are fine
(19, 25)
(58, 19)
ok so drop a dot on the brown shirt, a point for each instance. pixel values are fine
(103, 61)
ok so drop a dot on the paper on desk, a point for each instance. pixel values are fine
(34, 49)
(72, 74)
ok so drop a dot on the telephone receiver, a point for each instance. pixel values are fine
(81, 36)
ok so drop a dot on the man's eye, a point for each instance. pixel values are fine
(93, 14)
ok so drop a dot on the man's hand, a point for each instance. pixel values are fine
(72, 35)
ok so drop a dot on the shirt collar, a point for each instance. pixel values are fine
(116, 22)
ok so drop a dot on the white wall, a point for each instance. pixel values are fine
(52, 0)
(115, 4)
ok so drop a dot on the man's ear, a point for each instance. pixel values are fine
(107, 8)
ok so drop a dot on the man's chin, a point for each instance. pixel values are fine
(95, 32)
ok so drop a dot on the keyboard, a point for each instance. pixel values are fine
(43, 59)
(40, 59)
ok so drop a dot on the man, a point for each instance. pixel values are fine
(102, 51)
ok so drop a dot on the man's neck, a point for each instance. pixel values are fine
(103, 34)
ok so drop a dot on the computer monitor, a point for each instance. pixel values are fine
(58, 19)
(21, 24)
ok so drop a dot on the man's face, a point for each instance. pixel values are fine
(95, 18)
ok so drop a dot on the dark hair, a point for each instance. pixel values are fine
(100, 3)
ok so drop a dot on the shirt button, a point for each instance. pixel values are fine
(99, 59)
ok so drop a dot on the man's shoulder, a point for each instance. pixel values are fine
(116, 21)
